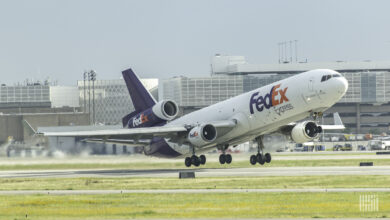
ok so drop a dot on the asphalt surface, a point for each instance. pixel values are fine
(222, 172)
(121, 159)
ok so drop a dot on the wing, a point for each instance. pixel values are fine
(136, 136)
(121, 132)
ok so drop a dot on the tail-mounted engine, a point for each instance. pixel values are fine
(202, 135)
(305, 131)
(166, 110)
(160, 113)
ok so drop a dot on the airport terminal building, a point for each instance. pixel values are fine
(109, 99)
(40, 104)
(364, 109)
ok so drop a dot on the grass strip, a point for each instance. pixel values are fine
(271, 182)
(218, 205)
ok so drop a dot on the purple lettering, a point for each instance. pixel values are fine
(268, 100)
(252, 102)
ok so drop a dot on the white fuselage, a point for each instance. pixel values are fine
(266, 109)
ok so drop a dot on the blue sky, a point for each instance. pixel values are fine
(164, 38)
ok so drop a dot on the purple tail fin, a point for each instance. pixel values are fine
(141, 97)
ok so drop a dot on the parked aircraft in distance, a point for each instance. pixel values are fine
(273, 108)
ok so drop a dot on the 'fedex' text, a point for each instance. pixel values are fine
(140, 120)
(269, 100)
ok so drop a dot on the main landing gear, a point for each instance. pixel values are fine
(195, 160)
(260, 157)
(225, 158)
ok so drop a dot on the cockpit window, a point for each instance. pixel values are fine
(326, 77)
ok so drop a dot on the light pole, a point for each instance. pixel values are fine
(296, 51)
(85, 91)
(290, 51)
(93, 78)
(89, 92)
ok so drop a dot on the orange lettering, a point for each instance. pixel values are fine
(283, 95)
(274, 94)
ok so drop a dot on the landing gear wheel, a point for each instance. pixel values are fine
(222, 159)
(228, 158)
(267, 157)
(187, 162)
(202, 159)
(260, 158)
(253, 160)
(195, 161)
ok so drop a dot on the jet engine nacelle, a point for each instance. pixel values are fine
(305, 131)
(166, 110)
(160, 113)
(202, 135)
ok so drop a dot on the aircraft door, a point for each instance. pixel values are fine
(311, 85)
(310, 92)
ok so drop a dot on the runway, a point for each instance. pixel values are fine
(221, 172)
(332, 155)
(189, 191)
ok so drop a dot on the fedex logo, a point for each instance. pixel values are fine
(275, 97)
(195, 134)
(140, 120)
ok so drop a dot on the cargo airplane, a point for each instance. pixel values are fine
(276, 108)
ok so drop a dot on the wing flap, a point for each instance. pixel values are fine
(127, 142)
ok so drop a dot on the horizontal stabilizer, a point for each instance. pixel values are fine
(338, 124)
